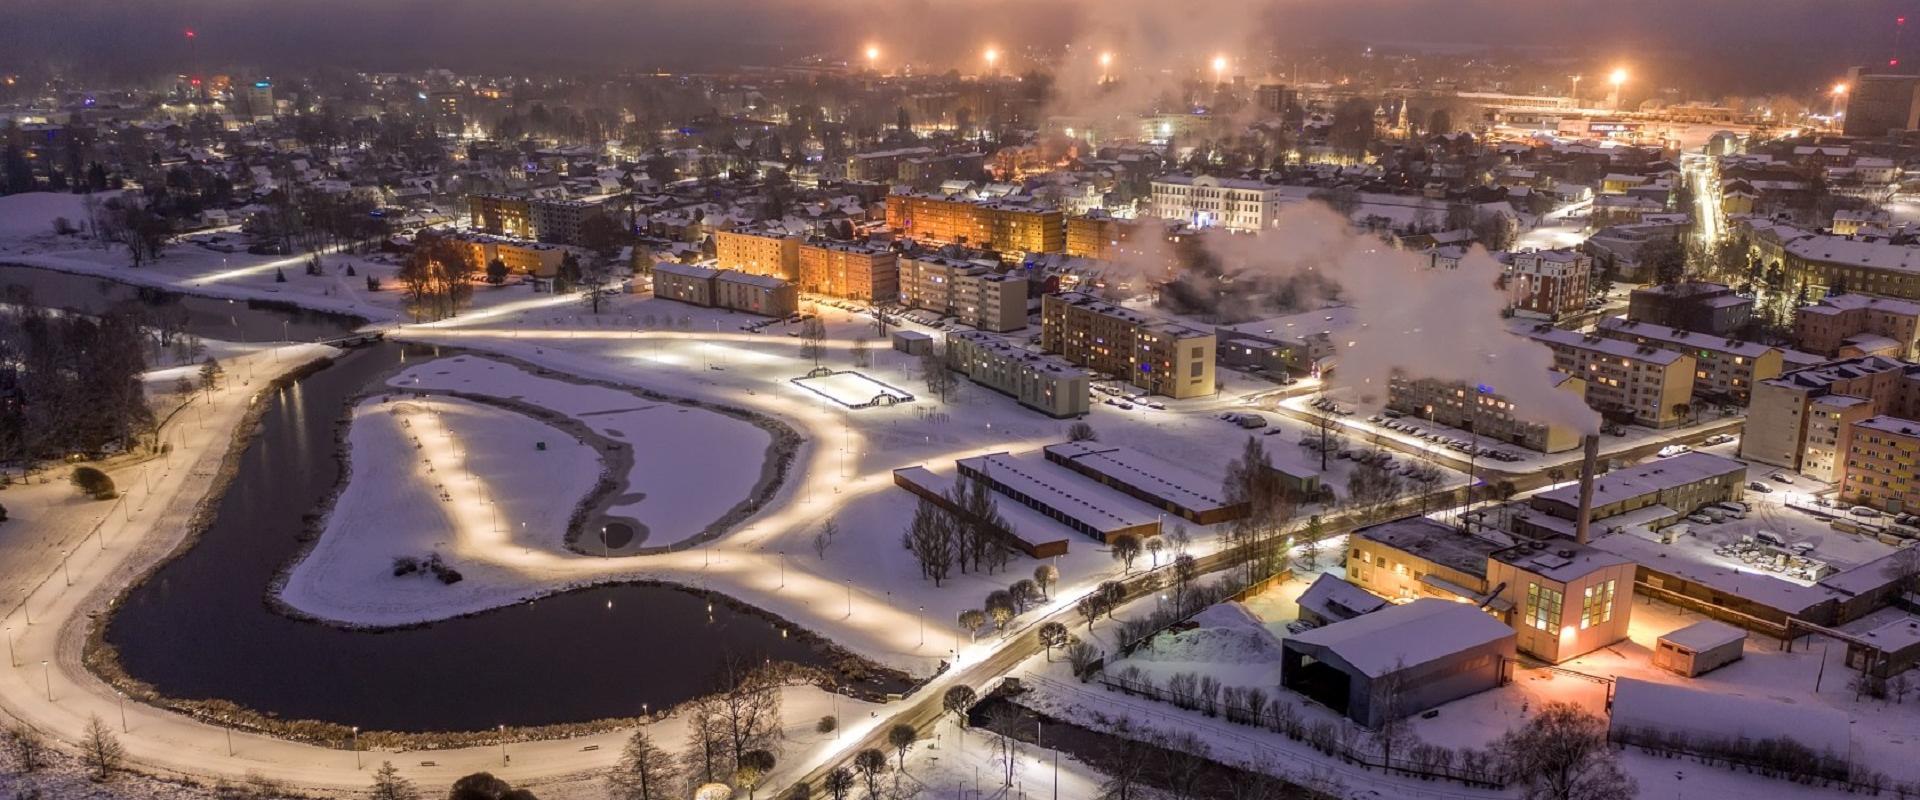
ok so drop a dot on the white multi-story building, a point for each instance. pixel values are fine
(1205, 201)
(980, 295)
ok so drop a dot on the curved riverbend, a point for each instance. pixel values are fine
(199, 631)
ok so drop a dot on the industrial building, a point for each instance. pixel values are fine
(1398, 661)
(1087, 507)
(1166, 485)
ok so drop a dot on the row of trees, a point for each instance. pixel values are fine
(75, 384)
(941, 539)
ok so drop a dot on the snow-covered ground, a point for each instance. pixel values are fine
(447, 477)
(690, 464)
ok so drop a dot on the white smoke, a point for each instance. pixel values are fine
(1444, 324)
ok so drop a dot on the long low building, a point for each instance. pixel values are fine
(1064, 497)
(1044, 383)
(1634, 382)
(724, 288)
(937, 488)
(1179, 490)
(1682, 483)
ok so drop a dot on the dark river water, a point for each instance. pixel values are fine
(200, 628)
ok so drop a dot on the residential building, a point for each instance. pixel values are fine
(976, 291)
(1041, 382)
(1725, 369)
(1880, 104)
(1799, 419)
(1458, 404)
(758, 253)
(855, 271)
(521, 257)
(1867, 265)
(556, 221)
(1548, 284)
(1205, 201)
(1161, 357)
(1852, 325)
(1880, 471)
(1695, 306)
(722, 288)
(1300, 343)
(1012, 229)
(502, 214)
(1639, 383)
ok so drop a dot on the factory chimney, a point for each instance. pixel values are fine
(1588, 465)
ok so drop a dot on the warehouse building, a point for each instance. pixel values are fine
(1398, 661)
(1062, 496)
(1177, 489)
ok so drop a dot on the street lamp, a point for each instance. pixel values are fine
(46, 674)
(993, 57)
(503, 745)
(123, 710)
(873, 55)
(1219, 69)
(356, 747)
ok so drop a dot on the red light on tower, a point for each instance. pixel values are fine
(190, 33)
(1893, 62)
(1899, 20)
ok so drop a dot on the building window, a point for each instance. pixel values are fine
(1596, 606)
(1543, 607)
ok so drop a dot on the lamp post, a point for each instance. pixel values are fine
(356, 747)
(849, 598)
(65, 569)
(46, 674)
(503, 745)
(123, 710)
(11, 660)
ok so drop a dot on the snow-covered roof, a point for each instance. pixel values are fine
(1647, 706)
(1705, 635)
(1649, 478)
(1683, 338)
(1784, 596)
(1403, 636)
(1335, 599)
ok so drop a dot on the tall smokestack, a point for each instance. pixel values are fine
(1588, 465)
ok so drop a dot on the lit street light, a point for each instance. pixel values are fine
(993, 58)
(1219, 69)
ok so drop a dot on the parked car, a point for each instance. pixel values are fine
(1756, 486)
(1674, 450)
(1866, 512)
(1781, 477)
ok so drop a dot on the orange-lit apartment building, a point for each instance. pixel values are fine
(851, 270)
(1880, 472)
(1013, 230)
(758, 253)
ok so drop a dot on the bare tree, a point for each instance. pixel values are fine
(973, 620)
(839, 783)
(862, 357)
(753, 768)
(1562, 754)
(1154, 546)
(1053, 634)
(812, 333)
(823, 538)
(1045, 576)
(902, 736)
(1126, 548)
(871, 764)
(958, 701)
(940, 380)
(27, 746)
(645, 771)
(1081, 431)
(930, 537)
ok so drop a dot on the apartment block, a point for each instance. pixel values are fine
(1161, 357)
(1044, 383)
(555, 221)
(1012, 229)
(1850, 325)
(502, 214)
(974, 290)
(520, 256)
(1725, 369)
(1696, 306)
(722, 288)
(1466, 406)
(850, 270)
(758, 253)
(1548, 284)
(1644, 384)
(1880, 464)
(1799, 419)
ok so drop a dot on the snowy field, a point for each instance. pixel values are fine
(690, 464)
(446, 477)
